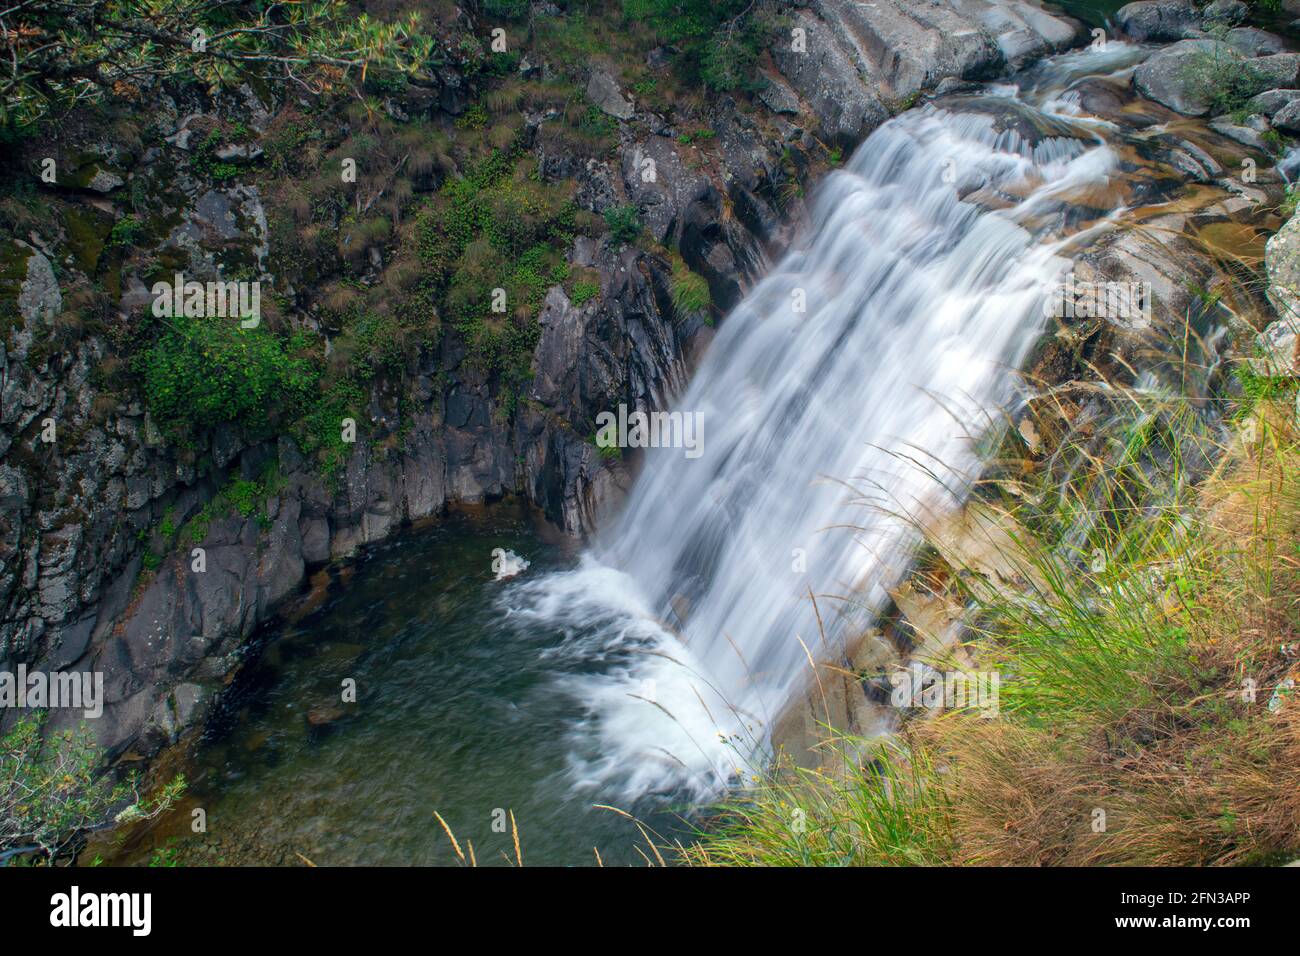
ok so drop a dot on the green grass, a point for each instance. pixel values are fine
(690, 290)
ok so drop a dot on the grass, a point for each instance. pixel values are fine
(690, 290)
(1144, 640)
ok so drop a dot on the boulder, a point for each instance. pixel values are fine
(1287, 118)
(1271, 102)
(1159, 21)
(1249, 41)
(1168, 77)
(1229, 12)
(605, 93)
(1279, 71)
(1282, 259)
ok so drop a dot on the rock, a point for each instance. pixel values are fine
(1248, 41)
(847, 60)
(1271, 102)
(1276, 347)
(1288, 117)
(1230, 12)
(1160, 21)
(246, 152)
(1280, 70)
(1168, 77)
(38, 298)
(603, 91)
(528, 69)
(660, 58)
(663, 200)
(846, 108)
(779, 97)
(1247, 134)
(1282, 259)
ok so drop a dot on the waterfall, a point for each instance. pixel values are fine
(922, 271)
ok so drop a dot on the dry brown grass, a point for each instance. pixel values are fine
(1204, 772)
(1184, 756)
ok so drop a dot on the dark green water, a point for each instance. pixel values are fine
(1091, 12)
(456, 712)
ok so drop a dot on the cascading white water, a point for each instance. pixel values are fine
(924, 267)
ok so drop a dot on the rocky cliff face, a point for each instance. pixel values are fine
(92, 572)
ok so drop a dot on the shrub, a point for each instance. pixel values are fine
(506, 9)
(202, 372)
(99, 48)
(51, 789)
(720, 40)
(583, 292)
(497, 227)
(624, 223)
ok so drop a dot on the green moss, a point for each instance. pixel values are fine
(583, 292)
(88, 230)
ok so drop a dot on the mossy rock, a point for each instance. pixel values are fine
(94, 172)
(87, 230)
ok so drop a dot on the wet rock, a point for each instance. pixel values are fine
(824, 75)
(849, 61)
(1248, 134)
(1159, 21)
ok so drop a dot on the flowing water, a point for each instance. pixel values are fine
(922, 272)
(646, 672)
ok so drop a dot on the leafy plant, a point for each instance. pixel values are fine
(51, 789)
(624, 223)
(202, 372)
